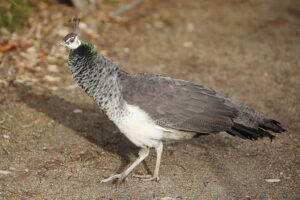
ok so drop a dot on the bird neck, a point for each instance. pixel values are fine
(85, 49)
(99, 77)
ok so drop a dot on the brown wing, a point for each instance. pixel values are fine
(178, 104)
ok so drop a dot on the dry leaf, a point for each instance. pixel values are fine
(7, 47)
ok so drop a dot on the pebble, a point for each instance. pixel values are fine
(272, 180)
(77, 111)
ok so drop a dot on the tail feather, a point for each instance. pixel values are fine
(272, 125)
(249, 133)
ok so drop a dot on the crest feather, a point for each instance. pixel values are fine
(74, 23)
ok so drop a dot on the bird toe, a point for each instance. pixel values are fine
(146, 177)
(119, 177)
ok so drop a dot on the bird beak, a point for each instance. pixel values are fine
(62, 42)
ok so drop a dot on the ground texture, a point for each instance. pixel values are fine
(56, 144)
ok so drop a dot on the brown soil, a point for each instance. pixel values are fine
(247, 49)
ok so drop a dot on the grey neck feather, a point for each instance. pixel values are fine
(100, 79)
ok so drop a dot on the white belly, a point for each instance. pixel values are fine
(139, 128)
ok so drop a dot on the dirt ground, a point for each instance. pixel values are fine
(56, 144)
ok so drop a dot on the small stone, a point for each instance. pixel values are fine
(77, 111)
(272, 180)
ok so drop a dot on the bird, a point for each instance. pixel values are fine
(151, 109)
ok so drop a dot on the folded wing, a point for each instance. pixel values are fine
(178, 104)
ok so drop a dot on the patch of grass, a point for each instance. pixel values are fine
(13, 14)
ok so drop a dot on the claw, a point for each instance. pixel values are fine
(142, 176)
(146, 177)
(120, 178)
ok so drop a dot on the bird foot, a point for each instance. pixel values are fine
(119, 177)
(146, 177)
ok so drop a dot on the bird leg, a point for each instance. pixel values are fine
(143, 153)
(155, 177)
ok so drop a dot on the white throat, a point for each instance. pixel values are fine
(75, 44)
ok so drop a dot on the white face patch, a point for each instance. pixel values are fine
(72, 42)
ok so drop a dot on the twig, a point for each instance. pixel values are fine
(125, 7)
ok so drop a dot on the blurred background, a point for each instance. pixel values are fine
(56, 144)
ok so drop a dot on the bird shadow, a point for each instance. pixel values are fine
(90, 123)
(97, 128)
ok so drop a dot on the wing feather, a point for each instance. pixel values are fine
(178, 104)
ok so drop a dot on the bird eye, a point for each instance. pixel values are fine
(72, 40)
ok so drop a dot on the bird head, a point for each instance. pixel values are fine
(72, 40)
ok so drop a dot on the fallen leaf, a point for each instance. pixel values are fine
(7, 47)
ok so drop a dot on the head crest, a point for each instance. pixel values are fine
(74, 23)
(71, 40)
